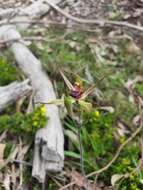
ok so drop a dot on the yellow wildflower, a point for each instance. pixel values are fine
(132, 177)
(35, 123)
(43, 110)
(134, 187)
(97, 114)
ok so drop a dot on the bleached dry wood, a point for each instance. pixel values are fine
(49, 154)
(49, 141)
(12, 92)
(35, 10)
(5, 12)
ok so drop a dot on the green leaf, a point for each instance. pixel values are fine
(71, 154)
(73, 137)
(69, 101)
(68, 83)
(85, 106)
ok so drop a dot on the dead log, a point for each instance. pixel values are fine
(49, 141)
(5, 12)
(13, 92)
(49, 152)
(33, 11)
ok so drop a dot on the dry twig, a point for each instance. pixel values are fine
(100, 22)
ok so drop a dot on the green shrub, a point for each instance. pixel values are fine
(22, 124)
(8, 72)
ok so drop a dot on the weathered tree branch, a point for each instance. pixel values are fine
(49, 141)
(100, 22)
(33, 11)
(13, 92)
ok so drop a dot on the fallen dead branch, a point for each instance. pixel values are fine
(101, 22)
(49, 150)
(49, 140)
(13, 92)
(76, 27)
(33, 38)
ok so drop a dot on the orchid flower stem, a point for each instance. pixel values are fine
(81, 150)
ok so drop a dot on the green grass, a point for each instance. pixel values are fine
(73, 53)
(8, 72)
(98, 135)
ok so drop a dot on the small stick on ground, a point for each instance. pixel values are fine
(100, 22)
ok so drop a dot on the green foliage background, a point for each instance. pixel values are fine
(73, 53)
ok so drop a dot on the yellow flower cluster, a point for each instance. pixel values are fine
(35, 123)
(97, 114)
(134, 187)
(132, 177)
(43, 110)
(38, 114)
